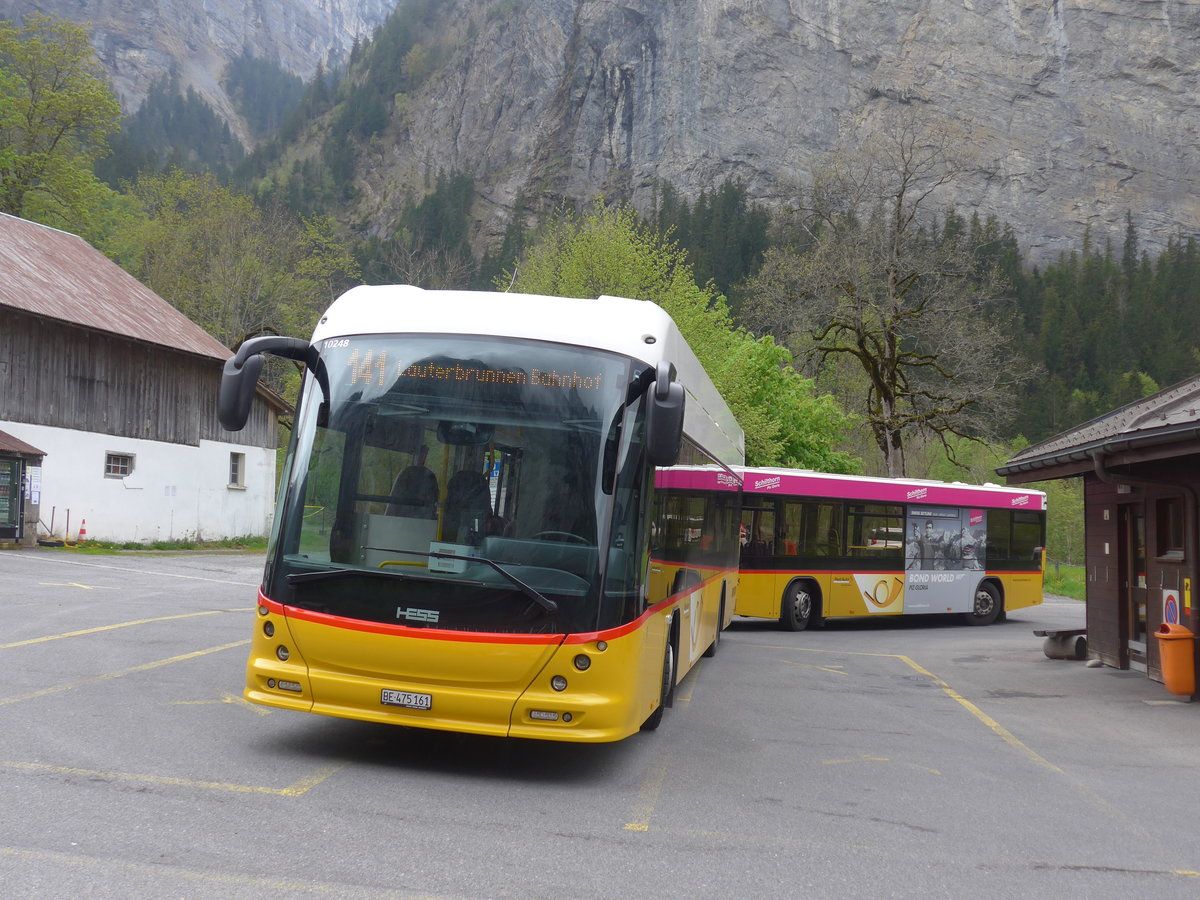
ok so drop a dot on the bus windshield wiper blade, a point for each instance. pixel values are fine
(533, 593)
(303, 577)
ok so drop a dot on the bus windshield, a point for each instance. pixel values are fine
(462, 483)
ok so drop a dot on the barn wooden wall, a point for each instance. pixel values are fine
(60, 375)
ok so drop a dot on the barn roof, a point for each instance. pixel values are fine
(50, 273)
(1172, 416)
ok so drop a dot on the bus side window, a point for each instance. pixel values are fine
(791, 530)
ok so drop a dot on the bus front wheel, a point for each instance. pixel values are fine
(665, 689)
(798, 607)
(987, 607)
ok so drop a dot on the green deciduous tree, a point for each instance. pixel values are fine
(56, 112)
(876, 281)
(234, 268)
(607, 251)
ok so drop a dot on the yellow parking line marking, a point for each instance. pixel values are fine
(841, 762)
(101, 628)
(879, 759)
(647, 798)
(94, 565)
(265, 885)
(75, 584)
(96, 679)
(226, 697)
(303, 786)
(832, 670)
(684, 690)
(1004, 734)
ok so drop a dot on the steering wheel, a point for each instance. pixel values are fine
(560, 536)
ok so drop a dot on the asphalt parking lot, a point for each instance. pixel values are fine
(867, 759)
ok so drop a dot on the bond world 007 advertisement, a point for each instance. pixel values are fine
(943, 548)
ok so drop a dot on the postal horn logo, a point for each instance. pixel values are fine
(884, 594)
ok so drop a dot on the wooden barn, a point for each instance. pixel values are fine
(1140, 466)
(118, 391)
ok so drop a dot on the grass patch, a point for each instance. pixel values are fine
(1068, 581)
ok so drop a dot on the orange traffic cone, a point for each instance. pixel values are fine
(83, 530)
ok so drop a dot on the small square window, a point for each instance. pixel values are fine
(237, 470)
(1170, 527)
(118, 465)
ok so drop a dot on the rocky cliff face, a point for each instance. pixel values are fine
(139, 41)
(1074, 111)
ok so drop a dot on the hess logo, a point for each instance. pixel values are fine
(417, 615)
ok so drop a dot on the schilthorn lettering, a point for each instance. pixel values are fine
(918, 494)
(768, 484)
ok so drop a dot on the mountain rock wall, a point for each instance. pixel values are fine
(1073, 111)
(140, 41)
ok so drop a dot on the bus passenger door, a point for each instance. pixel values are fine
(758, 592)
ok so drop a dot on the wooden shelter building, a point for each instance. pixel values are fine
(1140, 466)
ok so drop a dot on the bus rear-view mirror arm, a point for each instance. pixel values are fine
(664, 417)
(239, 379)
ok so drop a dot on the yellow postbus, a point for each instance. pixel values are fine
(818, 546)
(463, 536)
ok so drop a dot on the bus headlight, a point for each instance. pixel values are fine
(282, 652)
(558, 683)
(582, 662)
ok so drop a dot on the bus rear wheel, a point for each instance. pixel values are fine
(987, 607)
(796, 611)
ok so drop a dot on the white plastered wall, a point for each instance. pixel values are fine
(175, 491)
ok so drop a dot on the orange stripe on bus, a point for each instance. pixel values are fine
(480, 637)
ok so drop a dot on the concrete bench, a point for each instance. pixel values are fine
(1069, 643)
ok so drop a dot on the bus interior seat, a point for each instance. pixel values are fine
(414, 494)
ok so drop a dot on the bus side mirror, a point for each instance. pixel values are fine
(664, 418)
(238, 384)
(239, 378)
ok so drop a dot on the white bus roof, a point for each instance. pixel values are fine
(805, 483)
(633, 328)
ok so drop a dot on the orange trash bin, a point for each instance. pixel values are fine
(1177, 655)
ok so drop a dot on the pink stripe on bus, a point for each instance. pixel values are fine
(883, 490)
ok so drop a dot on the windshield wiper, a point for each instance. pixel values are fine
(304, 577)
(531, 592)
